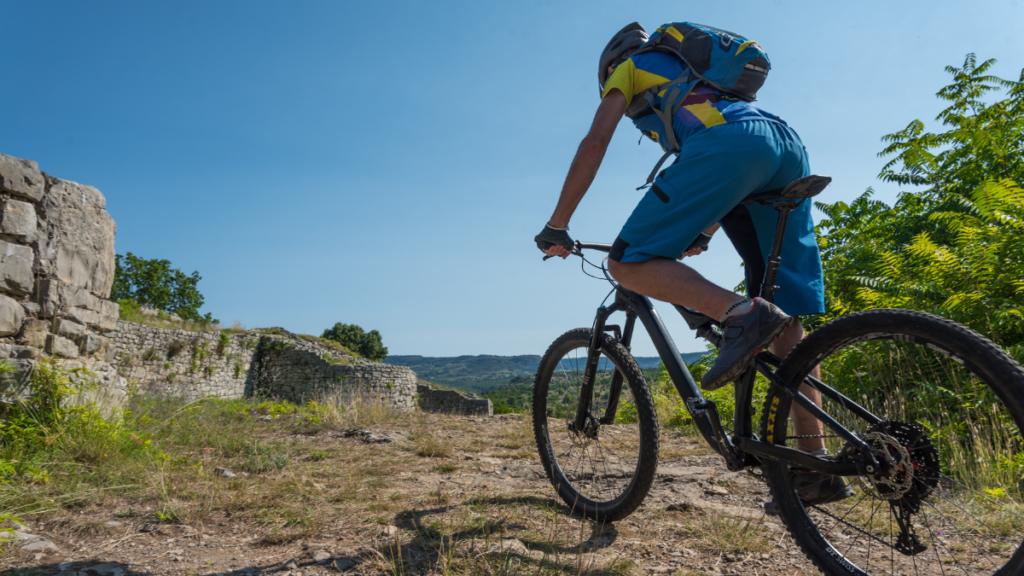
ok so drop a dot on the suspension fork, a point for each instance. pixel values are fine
(590, 371)
(617, 379)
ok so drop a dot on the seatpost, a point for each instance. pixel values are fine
(771, 270)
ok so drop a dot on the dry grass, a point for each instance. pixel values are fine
(427, 444)
(718, 533)
(336, 410)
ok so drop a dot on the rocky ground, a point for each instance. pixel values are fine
(468, 497)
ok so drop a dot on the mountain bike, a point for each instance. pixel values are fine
(920, 415)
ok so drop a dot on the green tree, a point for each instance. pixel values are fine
(367, 344)
(154, 283)
(955, 247)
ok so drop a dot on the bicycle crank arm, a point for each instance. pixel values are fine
(705, 416)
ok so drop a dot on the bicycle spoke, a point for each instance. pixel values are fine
(598, 461)
(949, 447)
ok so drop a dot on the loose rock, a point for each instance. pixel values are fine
(320, 556)
(223, 473)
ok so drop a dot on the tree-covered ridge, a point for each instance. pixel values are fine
(488, 372)
(953, 247)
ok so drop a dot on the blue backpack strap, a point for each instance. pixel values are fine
(669, 105)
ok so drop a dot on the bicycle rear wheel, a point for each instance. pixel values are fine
(951, 405)
(604, 471)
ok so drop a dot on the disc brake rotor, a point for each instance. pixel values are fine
(898, 481)
(912, 463)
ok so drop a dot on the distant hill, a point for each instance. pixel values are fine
(482, 373)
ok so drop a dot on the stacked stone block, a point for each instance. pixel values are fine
(299, 369)
(56, 268)
(184, 363)
(452, 402)
(56, 272)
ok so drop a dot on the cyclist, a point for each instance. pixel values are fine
(730, 149)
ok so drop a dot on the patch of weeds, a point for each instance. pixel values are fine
(317, 456)
(477, 445)
(223, 342)
(445, 468)
(174, 349)
(276, 346)
(129, 513)
(264, 458)
(210, 370)
(130, 311)
(150, 354)
(331, 359)
(172, 512)
(426, 444)
(430, 447)
(721, 534)
(171, 376)
(439, 497)
(238, 369)
(235, 328)
(167, 365)
(517, 434)
(199, 351)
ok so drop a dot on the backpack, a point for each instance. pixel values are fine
(723, 60)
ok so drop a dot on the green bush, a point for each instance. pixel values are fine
(49, 427)
(155, 283)
(367, 344)
(956, 246)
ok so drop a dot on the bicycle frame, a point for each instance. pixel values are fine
(744, 448)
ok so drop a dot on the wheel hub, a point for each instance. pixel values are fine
(912, 464)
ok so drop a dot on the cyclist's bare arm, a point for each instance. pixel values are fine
(587, 161)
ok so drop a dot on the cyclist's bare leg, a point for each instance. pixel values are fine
(674, 282)
(803, 423)
(677, 283)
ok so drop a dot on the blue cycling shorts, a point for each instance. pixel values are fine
(716, 170)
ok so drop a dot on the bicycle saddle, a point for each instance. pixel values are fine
(801, 188)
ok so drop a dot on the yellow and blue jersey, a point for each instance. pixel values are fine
(702, 109)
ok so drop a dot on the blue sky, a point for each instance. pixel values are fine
(388, 163)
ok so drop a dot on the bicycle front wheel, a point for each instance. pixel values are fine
(949, 409)
(604, 470)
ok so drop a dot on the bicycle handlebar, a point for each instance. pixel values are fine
(580, 246)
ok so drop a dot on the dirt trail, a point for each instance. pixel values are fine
(483, 507)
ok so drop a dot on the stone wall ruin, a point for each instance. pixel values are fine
(56, 273)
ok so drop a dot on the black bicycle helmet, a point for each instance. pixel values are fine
(624, 43)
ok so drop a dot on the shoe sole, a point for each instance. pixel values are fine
(772, 510)
(841, 495)
(745, 363)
